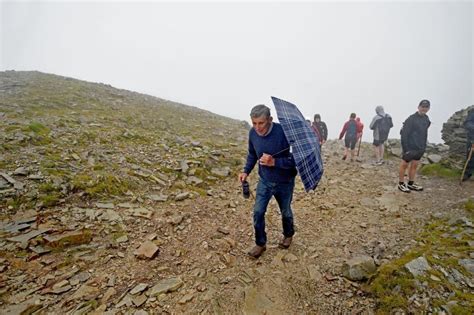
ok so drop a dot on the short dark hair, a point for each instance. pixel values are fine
(317, 116)
(353, 115)
(424, 103)
(259, 111)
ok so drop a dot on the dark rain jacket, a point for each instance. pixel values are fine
(415, 132)
(469, 125)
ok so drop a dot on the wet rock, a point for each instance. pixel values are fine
(359, 268)
(158, 198)
(21, 171)
(221, 172)
(148, 250)
(468, 264)
(182, 196)
(24, 238)
(165, 286)
(418, 266)
(105, 205)
(142, 213)
(139, 300)
(434, 158)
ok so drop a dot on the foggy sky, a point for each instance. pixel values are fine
(327, 58)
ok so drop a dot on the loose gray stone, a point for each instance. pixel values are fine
(139, 288)
(418, 266)
(359, 268)
(468, 264)
(166, 285)
(182, 196)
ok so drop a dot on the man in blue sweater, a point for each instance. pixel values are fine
(276, 168)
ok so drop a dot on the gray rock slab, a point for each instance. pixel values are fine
(359, 268)
(468, 264)
(166, 285)
(418, 266)
(28, 236)
(148, 250)
(158, 198)
(139, 288)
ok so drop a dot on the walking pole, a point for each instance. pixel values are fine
(469, 156)
(360, 141)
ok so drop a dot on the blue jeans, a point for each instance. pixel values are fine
(283, 193)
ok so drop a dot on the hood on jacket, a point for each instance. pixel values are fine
(379, 110)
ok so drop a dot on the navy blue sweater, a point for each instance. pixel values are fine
(284, 170)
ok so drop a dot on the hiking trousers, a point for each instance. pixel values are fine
(283, 193)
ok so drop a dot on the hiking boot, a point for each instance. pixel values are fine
(344, 158)
(466, 177)
(285, 242)
(380, 162)
(414, 187)
(403, 187)
(257, 251)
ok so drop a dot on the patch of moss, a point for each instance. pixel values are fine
(50, 199)
(393, 285)
(38, 128)
(439, 170)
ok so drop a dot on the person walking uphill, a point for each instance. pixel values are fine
(276, 169)
(414, 135)
(320, 128)
(350, 129)
(469, 125)
(381, 125)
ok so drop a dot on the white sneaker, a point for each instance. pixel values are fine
(404, 187)
(415, 187)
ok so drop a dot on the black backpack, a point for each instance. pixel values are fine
(384, 124)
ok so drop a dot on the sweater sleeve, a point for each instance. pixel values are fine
(251, 158)
(374, 121)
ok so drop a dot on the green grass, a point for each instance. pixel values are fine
(393, 285)
(439, 170)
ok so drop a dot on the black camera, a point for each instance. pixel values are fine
(245, 189)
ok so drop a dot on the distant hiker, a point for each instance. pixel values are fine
(469, 125)
(276, 169)
(350, 129)
(381, 125)
(414, 136)
(360, 128)
(320, 128)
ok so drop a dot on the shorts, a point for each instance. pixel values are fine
(378, 142)
(414, 155)
(350, 143)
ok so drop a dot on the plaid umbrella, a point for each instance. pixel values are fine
(303, 142)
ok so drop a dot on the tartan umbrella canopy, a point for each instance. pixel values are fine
(303, 142)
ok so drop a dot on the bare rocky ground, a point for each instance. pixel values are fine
(83, 251)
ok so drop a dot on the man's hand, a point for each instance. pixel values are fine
(267, 160)
(243, 177)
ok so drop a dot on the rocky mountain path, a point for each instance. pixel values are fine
(202, 265)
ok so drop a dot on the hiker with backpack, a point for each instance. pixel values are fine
(414, 136)
(320, 128)
(381, 125)
(350, 130)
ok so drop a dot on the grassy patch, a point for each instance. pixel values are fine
(38, 128)
(97, 185)
(469, 206)
(437, 169)
(394, 285)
